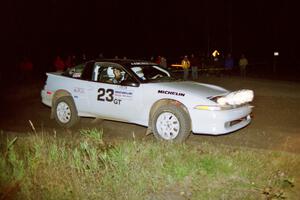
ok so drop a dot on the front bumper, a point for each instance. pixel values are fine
(220, 122)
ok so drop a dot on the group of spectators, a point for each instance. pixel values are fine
(161, 60)
(195, 63)
(198, 63)
(61, 64)
(27, 68)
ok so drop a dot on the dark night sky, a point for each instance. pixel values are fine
(145, 28)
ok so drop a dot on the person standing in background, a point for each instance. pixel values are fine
(158, 60)
(228, 64)
(59, 64)
(243, 62)
(185, 65)
(163, 61)
(195, 65)
(26, 69)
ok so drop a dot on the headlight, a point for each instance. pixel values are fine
(221, 101)
(234, 98)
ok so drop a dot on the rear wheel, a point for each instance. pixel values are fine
(171, 123)
(65, 112)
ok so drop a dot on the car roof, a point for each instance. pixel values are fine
(126, 62)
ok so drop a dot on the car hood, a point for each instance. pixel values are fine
(192, 88)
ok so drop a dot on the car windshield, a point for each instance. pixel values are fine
(151, 73)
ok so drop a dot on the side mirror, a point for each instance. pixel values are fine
(130, 83)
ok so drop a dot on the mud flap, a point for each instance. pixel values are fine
(149, 131)
(52, 113)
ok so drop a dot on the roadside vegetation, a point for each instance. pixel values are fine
(47, 166)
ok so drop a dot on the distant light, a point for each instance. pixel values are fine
(276, 53)
(176, 65)
(215, 53)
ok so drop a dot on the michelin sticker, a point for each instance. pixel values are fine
(171, 93)
(124, 95)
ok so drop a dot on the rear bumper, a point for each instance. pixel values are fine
(46, 98)
(220, 122)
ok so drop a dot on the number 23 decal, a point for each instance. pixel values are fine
(108, 97)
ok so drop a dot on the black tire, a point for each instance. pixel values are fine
(68, 118)
(174, 114)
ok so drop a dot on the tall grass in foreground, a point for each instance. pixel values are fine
(49, 167)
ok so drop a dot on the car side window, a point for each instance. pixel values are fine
(88, 71)
(103, 75)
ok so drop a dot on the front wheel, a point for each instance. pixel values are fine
(171, 123)
(65, 112)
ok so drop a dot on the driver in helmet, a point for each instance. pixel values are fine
(115, 75)
(118, 76)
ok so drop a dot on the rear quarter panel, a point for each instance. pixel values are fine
(76, 87)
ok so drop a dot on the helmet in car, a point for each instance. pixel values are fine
(110, 72)
(138, 71)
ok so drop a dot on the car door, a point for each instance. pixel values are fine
(113, 100)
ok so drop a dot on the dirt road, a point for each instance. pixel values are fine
(276, 123)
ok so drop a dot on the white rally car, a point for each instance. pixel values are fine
(147, 94)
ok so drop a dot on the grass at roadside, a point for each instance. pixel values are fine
(44, 166)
